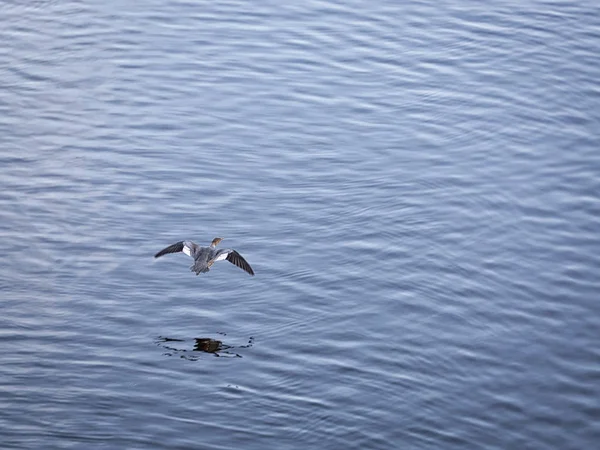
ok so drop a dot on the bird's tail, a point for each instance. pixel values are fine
(199, 271)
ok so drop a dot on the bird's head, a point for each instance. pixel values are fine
(216, 241)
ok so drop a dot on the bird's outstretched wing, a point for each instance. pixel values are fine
(235, 258)
(175, 248)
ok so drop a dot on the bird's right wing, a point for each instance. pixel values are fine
(235, 258)
(175, 248)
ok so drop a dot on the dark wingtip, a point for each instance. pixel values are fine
(177, 247)
(237, 259)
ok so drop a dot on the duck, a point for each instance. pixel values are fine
(205, 257)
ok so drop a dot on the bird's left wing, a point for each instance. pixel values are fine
(175, 248)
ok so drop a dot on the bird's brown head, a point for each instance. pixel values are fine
(216, 241)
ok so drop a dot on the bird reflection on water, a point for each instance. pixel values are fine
(216, 347)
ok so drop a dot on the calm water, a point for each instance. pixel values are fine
(417, 187)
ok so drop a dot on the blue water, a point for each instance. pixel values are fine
(417, 187)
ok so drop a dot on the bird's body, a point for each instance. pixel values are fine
(205, 257)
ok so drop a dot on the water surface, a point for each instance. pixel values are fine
(416, 187)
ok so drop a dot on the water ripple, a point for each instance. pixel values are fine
(416, 186)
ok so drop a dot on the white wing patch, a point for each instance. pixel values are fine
(222, 256)
(187, 250)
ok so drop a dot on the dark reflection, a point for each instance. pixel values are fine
(191, 349)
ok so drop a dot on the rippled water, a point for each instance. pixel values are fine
(417, 187)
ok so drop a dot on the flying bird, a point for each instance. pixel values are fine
(205, 257)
